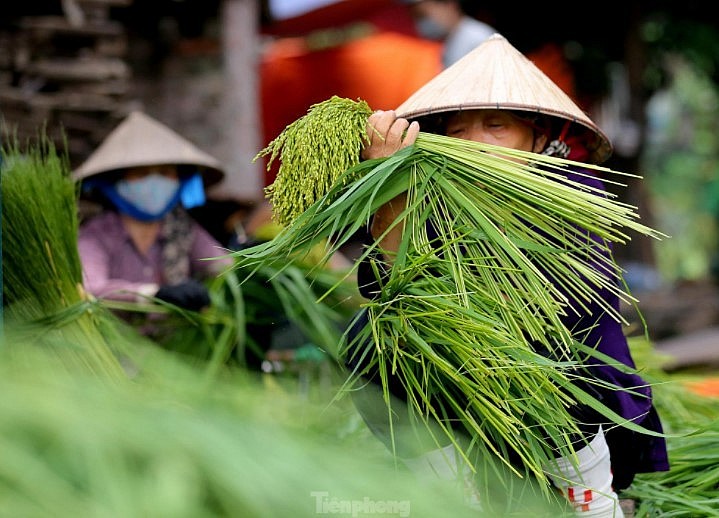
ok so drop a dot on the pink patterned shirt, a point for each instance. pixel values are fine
(114, 268)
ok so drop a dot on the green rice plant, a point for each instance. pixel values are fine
(42, 275)
(691, 486)
(168, 441)
(289, 293)
(458, 318)
(246, 310)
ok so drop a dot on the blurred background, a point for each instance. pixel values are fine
(231, 74)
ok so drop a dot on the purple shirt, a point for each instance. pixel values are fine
(114, 268)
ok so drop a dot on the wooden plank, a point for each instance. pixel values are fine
(698, 349)
(109, 3)
(110, 88)
(70, 100)
(82, 69)
(61, 25)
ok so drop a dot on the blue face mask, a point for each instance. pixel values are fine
(151, 196)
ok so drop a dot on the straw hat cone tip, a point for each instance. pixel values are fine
(139, 140)
(495, 75)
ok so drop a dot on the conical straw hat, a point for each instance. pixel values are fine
(495, 75)
(140, 140)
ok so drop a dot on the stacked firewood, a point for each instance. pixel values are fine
(65, 74)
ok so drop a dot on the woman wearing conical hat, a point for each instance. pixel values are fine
(145, 243)
(495, 95)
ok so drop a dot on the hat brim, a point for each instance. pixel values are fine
(142, 141)
(495, 75)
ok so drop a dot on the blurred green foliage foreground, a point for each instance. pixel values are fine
(97, 420)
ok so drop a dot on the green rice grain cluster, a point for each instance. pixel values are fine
(313, 152)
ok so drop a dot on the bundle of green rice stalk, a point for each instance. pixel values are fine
(315, 301)
(691, 486)
(42, 273)
(466, 310)
(690, 489)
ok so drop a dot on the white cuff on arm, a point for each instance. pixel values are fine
(146, 290)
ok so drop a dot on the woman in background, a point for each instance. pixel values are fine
(144, 243)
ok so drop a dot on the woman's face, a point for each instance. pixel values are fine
(496, 127)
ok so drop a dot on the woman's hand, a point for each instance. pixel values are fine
(388, 134)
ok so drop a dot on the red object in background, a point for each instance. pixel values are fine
(550, 59)
(385, 15)
(382, 69)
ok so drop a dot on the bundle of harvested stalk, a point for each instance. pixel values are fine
(42, 275)
(691, 486)
(300, 182)
(467, 310)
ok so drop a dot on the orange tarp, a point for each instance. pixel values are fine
(707, 387)
(383, 69)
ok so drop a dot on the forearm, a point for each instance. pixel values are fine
(385, 231)
(98, 280)
(121, 290)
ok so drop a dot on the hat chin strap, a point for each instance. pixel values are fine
(558, 147)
